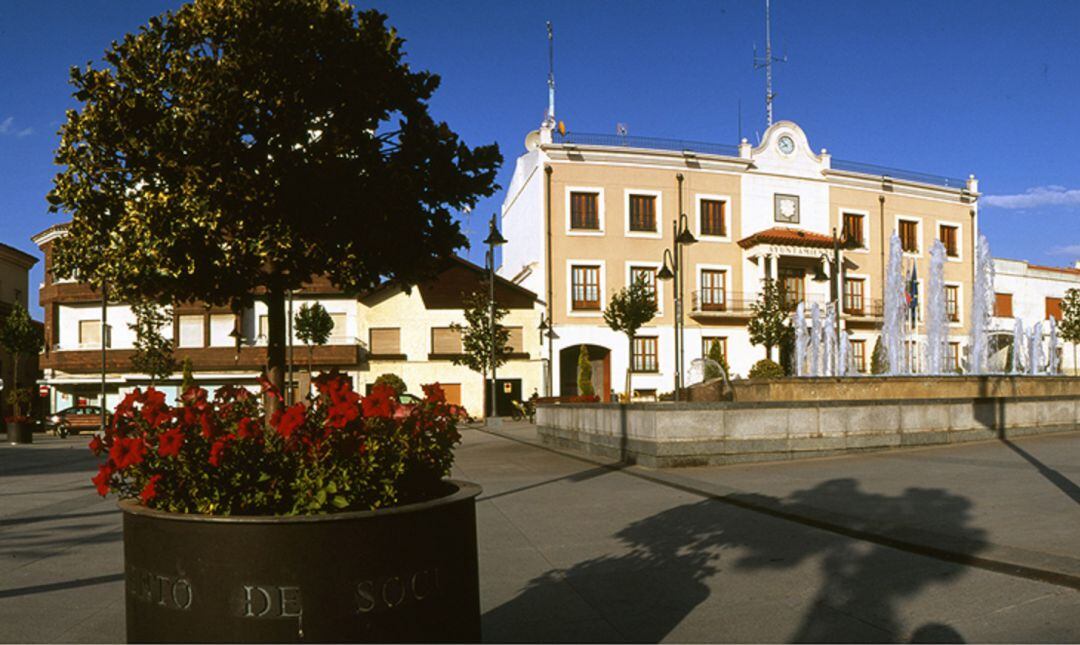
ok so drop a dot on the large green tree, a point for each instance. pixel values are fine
(312, 325)
(478, 337)
(229, 148)
(153, 352)
(20, 338)
(627, 310)
(1069, 325)
(769, 322)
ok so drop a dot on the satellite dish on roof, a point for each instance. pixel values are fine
(532, 140)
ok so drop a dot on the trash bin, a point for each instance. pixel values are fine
(20, 432)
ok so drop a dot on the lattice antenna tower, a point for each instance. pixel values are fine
(767, 62)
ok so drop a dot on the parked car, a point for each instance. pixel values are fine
(75, 419)
(408, 399)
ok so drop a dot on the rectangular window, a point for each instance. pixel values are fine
(707, 343)
(221, 325)
(644, 359)
(853, 229)
(713, 290)
(584, 214)
(909, 236)
(854, 303)
(1053, 308)
(516, 341)
(340, 329)
(1003, 305)
(792, 287)
(952, 302)
(858, 355)
(385, 341)
(445, 340)
(952, 357)
(89, 333)
(191, 331)
(948, 237)
(643, 213)
(712, 218)
(649, 274)
(585, 288)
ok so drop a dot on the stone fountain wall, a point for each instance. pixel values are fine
(693, 433)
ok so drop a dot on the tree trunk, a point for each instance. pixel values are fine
(629, 368)
(310, 358)
(768, 352)
(275, 346)
(15, 384)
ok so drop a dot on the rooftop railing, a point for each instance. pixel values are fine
(650, 143)
(726, 150)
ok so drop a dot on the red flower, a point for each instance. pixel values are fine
(217, 450)
(380, 403)
(169, 442)
(207, 425)
(127, 452)
(150, 491)
(154, 410)
(96, 445)
(434, 393)
(292, 419)
(247, 428)
(101, 480)
(268, 387)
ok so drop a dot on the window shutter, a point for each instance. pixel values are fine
(445, 340)
(386, 341)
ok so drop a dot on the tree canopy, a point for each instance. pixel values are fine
(232, 146)
(477, 338)
(19, 337)
(628, 309)
(153, 352)
(769, 324)
(312, 325)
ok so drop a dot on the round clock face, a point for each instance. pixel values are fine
(786, 145)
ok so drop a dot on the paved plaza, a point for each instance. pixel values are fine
(977, 542)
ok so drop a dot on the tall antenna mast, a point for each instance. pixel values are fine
(767, 64)
(549, 118)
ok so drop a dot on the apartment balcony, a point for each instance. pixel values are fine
(713, 304)
(204, 359)
(871, 310)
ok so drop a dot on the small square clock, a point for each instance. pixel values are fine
(786, 208)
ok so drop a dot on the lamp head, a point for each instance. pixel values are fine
(665, 273)
(494, 238)
(820, 275)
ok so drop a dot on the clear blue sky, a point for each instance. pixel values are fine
(952, 88)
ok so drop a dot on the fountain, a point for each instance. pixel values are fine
(800, 340)
(844, 352)
(982, 306)
(1035, 349)
(828, 356)
(1052, 348)
(815, 340)
(892, 331)
(1018, 345)
(936, 323)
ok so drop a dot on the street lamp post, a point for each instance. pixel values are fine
(672, 269)
(547, 331)
(493, 239)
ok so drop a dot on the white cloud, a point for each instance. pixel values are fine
(1035, 197)
(1070, 249)
(5, 125)
(25, 132)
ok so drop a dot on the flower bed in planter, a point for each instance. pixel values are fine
(330, 522)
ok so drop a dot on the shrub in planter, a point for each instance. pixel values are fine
(766, 369)
(210, 472)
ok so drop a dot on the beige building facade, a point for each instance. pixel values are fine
(585, 213)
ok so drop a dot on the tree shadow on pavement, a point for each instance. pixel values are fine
(673, 561)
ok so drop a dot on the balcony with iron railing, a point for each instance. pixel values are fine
(718, 304)
(726, 150)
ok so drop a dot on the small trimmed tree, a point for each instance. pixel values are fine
(1069, 325)
(188, 379)
(584, 373)
(19, 337)
(153, 352)
(769, 324)
(879, 358)
(394, 381)
(312, 325)
(629, 309)
(478, 336)
(716, 355)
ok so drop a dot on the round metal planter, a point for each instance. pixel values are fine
(407, 573)
(20, 432)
